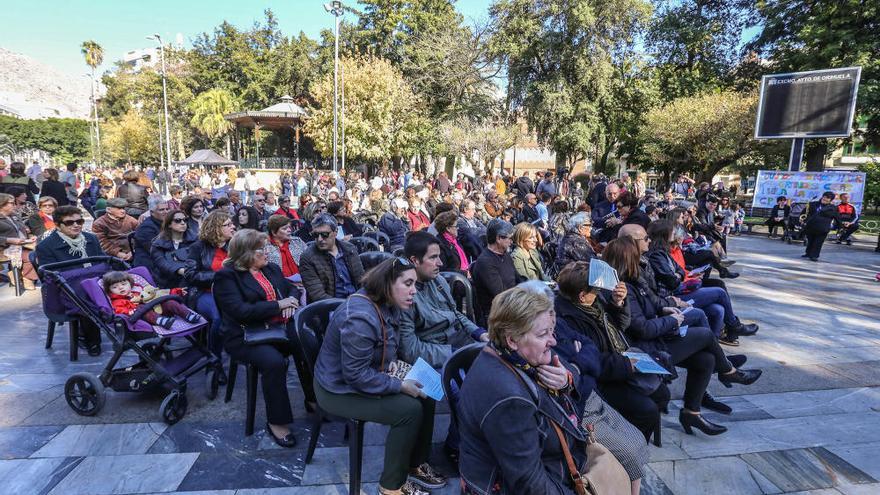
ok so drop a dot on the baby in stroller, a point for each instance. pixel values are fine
(126, 297)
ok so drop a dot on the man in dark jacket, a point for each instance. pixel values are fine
(820, 215)
(605, 215)
(394, 223)
(331, 267)
(847, 220)
(493, 272)
(147, 232)
(524, 185)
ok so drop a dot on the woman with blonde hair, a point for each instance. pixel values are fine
(526, 258)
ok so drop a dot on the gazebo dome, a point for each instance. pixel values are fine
(286, 105)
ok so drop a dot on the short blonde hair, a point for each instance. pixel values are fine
(521, 232)
(242, 248)
(5, 199)
(47, 200)
(513, 313)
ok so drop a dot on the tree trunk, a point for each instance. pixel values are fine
(450, 165)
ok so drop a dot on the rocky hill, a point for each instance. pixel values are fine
(33, 90)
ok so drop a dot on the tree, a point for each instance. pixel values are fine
(479, 143)
(872, 184)
(94, 56)
(695, 44)
(699, 135)
(380, 111)
(559, 57)
(208, 110)
(64, 139)
(132, 138)
(387, 28)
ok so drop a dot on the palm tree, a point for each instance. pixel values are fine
(94, 56)
(208, 110)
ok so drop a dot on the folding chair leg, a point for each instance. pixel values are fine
(355, 456)
(50, 334)
(316, 433)
(657, 440)
(230, 381)
(251, 399)
(73, 332)
(19, 282)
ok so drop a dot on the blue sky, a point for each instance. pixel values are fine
(51, 31)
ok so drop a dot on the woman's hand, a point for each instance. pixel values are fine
(412, 388)
(288, 302)
(618, 295)
(679, 317)
(553, 375)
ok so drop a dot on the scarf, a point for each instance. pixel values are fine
(597, 313)
(458, 250)
(48, 223)
(288, 265)
(514, 359)
(76, 245)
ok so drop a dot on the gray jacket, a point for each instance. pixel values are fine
(352, 353)
(432, 328)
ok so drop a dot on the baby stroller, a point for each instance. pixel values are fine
(158, 365)
(794, 225)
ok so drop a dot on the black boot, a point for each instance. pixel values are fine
(725, 273)
(744, 329)
(737, 360)
(689, 421)
(710, 402)
(743, 377)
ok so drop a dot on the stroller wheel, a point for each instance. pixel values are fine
(173, 408)
(84, 394)
(213, 382)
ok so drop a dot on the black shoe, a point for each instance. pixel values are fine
(689, 421)
(727, 263)
(728, 338)
(804, 256)
(94, 349)
(192, 317)
(744, 329)
(743, 377)
(288, 442)
(737, 360)
(728, 274)
(837, 241)
(814, 259)
(849, 242)
(710, 402)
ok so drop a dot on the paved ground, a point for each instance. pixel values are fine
(811, 424)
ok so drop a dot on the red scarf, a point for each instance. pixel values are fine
(288, 265)
(270, 293)
(48, 223)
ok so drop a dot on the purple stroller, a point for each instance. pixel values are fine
(158, 364)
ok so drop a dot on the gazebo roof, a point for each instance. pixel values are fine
(281, 115)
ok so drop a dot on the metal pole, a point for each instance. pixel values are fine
(335, 84)
(342, 102)
(796, 157)
(161, 151)
(165, 98)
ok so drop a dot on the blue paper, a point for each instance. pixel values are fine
(425, 374)
(683, 330)
(602, 275)
(646, 364)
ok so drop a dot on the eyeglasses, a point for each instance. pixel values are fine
(181, 220)
(228, 224)
(71, 223)
(323, 235)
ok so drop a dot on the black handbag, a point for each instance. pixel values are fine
(265, 333)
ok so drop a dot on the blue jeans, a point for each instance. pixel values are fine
(208, 308)
(715, 302)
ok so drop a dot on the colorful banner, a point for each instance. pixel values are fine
(803, 187)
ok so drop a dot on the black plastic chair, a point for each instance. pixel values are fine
(311, 323)
(456, 369)
(464, 298)
(365, 244)
(252, 381)
(373, 258)
(380, 237)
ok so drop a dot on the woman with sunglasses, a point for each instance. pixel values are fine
(354, 376)
(169, 251)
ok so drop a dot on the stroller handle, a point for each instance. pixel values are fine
(52, 269)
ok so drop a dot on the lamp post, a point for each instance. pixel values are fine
(158, 39)
(335, 8)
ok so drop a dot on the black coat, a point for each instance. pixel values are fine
(667, 274)
(242, 300)
(819, 218)
(523, 186)
(54, 189)
(167, 260)
(144, 235)
(449, 256)
(648, 326)
(318, 270)
(54, 250)
(198, 272)
(637, 217)
(491, 275)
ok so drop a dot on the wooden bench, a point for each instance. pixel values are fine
(755, 217)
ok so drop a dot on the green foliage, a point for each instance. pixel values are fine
(93, 53)
(68, 138)
(131, 139)
(872, 183)
(208, 110)
(387, 28)
(805, 35)
(479, 142)
(699, 135)
(560, 57)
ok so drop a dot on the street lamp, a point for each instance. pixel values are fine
(335, 8)
(158, 39)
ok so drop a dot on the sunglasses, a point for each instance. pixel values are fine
(71, 223)
(179, 220)
(402, 262)
(324, 235)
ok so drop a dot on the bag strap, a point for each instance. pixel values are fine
(382, 323)
(573, 472)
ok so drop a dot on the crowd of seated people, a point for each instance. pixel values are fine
(553, 369)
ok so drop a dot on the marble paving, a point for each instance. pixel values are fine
(811, 425)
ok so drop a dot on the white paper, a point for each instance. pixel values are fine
(602, 275)
(425, 374)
